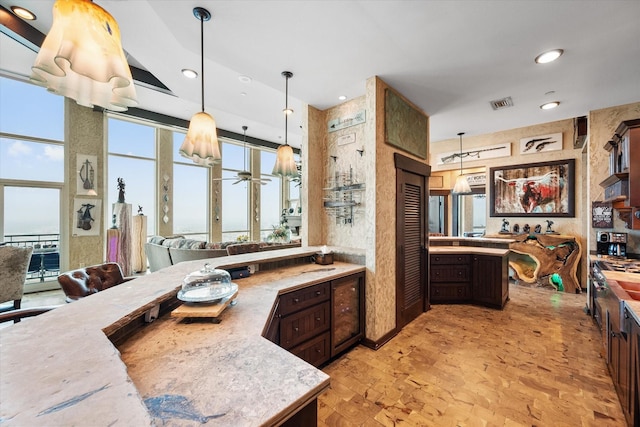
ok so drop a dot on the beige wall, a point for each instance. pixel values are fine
(84, 134)
(602, 125)
(374, 224)
(572, 226)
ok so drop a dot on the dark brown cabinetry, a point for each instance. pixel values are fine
(319, 321)
(622, 187)
(490, 285)
(462, 278)
(450, 278)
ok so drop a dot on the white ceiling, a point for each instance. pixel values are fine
(448, 57)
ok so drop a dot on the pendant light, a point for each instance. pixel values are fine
(462, 185)
(201, 143)
(82, 57)
(285, 163)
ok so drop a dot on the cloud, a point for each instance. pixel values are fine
(19, 149)
(54, 152)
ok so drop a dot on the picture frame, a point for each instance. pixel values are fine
(405, 127)
(545, 189)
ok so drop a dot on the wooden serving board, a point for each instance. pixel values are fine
(199, 309)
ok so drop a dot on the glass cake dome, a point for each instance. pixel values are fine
(207, 285)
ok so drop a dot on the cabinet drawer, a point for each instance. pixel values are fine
(299, 327)
(303, 298)
(316, 351)
(450, 259)
(450, 292)
(449, 273)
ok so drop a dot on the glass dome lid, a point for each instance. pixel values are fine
(207, 285)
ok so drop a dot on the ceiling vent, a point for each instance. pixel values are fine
(499, 104)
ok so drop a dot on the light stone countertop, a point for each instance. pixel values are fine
(435, 250)
(60, 368)
(477, 240)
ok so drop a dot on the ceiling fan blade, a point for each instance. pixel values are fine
(234, 183)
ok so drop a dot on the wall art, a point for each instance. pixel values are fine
(601, 214)
(87, 178)
(541, 143)
(472, 154)
(545, 189)
(405, 127)
(86, 221)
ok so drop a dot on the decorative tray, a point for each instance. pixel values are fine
(207, 294)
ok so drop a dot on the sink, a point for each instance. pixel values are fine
(629, 286)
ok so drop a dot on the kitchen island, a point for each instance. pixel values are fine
(61, 368)
(469, 270)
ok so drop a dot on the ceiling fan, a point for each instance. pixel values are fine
(244, 175)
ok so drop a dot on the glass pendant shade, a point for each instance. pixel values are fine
(461, 186)
(285, 163)
(201, 143)
(82, 58)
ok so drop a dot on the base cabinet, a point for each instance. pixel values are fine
(467, 278)
(320, 321)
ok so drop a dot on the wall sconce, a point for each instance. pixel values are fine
(82, 58)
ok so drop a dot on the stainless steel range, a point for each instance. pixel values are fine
(598, 283)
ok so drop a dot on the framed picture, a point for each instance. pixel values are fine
(601, 215)
(405, 127)
(87, 217)
(545, 189)
(541, 143)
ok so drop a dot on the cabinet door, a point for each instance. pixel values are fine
(303, 325)
(347, 314)
(634, 368)
(303, 298)
(490, 280)
(316, 351)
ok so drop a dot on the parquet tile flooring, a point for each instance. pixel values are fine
(538, 362)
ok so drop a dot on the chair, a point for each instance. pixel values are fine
(17, 315)
(243, 248)
(83, 282)
(14, 262)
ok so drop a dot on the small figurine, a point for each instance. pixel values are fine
(140, 210)
(538, 229)
(549, 224)
(516, 228)
(120, 190)
(526, 229)
(505, 226)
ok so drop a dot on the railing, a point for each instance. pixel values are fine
(45, 259)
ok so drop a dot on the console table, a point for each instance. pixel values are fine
(535, 257)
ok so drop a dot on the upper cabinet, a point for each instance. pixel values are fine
(622, 187)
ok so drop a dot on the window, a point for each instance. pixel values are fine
(32, 176)
(270, 195)
(132, 157)
(235, 196)
(190, 195)
(470, 213)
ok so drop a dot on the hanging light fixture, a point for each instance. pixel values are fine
(201, 143)
(285, 163)
(82, 57)
(462, 185)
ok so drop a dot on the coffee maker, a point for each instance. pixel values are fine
(611, 243)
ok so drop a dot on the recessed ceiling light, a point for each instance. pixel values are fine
(550, 105)
(243, 93)
(189, 73)
(549, 56)
(342, 97)
(23, 13)
(245, 79)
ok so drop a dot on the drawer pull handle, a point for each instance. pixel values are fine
(317, 350)
(296, 300)
(317, 319)
(318, 292)
(296, 329)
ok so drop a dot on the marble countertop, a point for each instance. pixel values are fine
(467, 250)
(61, 369)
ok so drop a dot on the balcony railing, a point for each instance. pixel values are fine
(45, 259)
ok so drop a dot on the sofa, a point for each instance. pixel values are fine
(166, 251)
